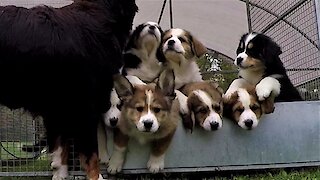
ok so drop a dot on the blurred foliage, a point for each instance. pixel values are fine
(218, 68)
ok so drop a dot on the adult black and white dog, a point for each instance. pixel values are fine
(58, 63)
(259, 63)
(142, 56)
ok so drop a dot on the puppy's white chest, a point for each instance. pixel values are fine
(148, 70)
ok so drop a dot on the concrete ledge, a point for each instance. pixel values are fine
(290, 137)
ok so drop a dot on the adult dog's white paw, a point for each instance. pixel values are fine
(266, 87)
(156, 163)
(60, 173)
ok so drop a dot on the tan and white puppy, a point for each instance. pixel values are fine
(204, 103)
(111, 119)
(150, 113)
(181, 50)
(241, 104)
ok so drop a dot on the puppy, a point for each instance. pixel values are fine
(258, 58)
(142, 56)
(111, 119)
(150, 113)
(181, 50)
(202, 104)
(242, 105)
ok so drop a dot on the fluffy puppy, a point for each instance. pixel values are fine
(111, 119)
(242, 105)
(257, 58)
(149, 114)
(201, 103)
(181, 50)
(142, 56)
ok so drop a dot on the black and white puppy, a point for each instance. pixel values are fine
(142, 52)
(258, 58)
(181, 50)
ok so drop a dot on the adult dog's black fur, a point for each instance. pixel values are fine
(58, 63)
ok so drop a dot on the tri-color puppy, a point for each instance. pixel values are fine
(181, 50)
(201, 104)
(142, 56)
(258, 58)
(242, 105)
(149, 113)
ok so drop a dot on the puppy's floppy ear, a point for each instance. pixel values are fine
(198, 48)
(166, 82)
(122, 86)
(267, 105)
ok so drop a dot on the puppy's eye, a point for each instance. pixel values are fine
(254, 107)
(202, 110)
(240, 110)
(139, 108)
(119, 106)
(181, 39)
(156, 110)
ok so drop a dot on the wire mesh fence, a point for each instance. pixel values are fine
(292, 24)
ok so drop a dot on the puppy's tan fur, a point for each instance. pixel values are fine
(156, 103)
(198, 110)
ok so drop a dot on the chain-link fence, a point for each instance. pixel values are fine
(293, 24)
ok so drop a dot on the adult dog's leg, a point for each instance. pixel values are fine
(159, 148)
(119, 152)
(59, 162)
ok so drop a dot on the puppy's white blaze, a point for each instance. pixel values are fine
(177, 32)
(60, 173)
(204, 97)
(244, 98)
(234, 86)
(266, 87)
(249, 38)
(247, 114)
(149, 116)
(56, 158)
(213, 116)
(116, 160)
(156, 163)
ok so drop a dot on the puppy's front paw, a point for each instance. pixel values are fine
(266, 87)
(115, 165)
(156, 163)
(104, 158)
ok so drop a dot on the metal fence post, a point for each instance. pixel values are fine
(317, 3)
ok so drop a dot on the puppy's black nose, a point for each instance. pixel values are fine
(248, 123)
(152, 27)
(147, 124)
(171, 42)
(113, 122)
(214, 125)
(239, 60)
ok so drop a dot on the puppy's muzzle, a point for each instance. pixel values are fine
(214, 125)
(239, 61)
(248, 123)
(148, 125)
(113, 122)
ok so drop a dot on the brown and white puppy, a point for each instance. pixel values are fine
(181, 50)
(204, 105)
(242, 105)
(146, 108)
(111, 119)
